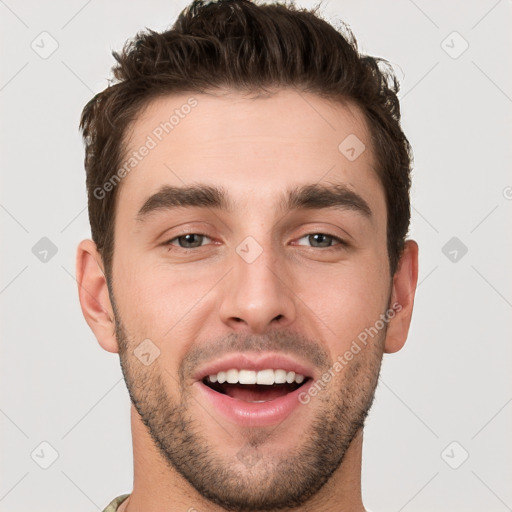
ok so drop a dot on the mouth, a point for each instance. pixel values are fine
(254, 391)
(255, 387)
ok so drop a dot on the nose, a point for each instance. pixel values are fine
(257, 295)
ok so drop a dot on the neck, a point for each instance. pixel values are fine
(158, 487)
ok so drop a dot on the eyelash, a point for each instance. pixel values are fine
(339, 245)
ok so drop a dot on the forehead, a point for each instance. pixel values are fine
(254, 147)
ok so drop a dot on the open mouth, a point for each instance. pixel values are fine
(242, 385)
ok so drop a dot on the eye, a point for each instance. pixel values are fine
(188, 241)
(322, 240)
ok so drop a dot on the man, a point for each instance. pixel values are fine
(248, 185)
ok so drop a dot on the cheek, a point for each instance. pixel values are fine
(345, 301)
(140, 298)
(158, 301)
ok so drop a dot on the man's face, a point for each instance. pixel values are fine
(256, 286)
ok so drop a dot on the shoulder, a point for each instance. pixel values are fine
(114, 504)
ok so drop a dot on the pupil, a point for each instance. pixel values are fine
(189, 242)
(323, 238)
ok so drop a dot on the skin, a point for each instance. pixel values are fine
(299, 297)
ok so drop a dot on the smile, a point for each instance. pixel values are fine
(255, 387)
(249, 391)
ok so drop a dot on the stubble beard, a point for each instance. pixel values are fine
(254, 479)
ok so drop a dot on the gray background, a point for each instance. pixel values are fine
(451, 382)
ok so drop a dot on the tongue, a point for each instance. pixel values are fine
(255, 392)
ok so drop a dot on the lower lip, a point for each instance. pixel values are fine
(250, 414)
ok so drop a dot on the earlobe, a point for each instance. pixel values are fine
(404, 289)
(93, 295)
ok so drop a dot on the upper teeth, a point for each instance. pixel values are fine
(267, 377)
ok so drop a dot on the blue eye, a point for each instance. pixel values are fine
(188, 241)
(323, 240)
(316, 240)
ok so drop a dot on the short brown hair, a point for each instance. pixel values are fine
(242, 46)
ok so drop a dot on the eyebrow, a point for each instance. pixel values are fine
(314, 196)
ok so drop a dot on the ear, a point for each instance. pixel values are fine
(402, 298)
(93, 295)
